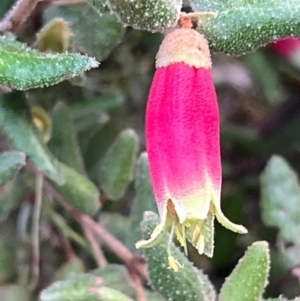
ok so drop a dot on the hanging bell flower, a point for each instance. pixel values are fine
(183, 143)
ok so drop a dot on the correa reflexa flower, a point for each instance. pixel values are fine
(289, 48)
(183, 143)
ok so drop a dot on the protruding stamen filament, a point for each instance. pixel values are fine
(200, 244)
(174, 264)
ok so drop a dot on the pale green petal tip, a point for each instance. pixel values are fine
(224, 221)
(156, 236)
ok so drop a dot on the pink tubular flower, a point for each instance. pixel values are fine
(182, 129)
(289, 48)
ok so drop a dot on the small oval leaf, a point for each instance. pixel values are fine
(10, 163)
(63, 142)
(118, 164)
(244, 25)
(280, 202)
(24, 68)
(249, 277)
(17, 125)
(152, 15)
(79, 191)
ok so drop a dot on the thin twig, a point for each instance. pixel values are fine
(36, 229)
(107, 238)
(67, 2)
(99, 256)
(139, 288)
(18, 15)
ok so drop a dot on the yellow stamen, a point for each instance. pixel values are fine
(200, 244)
(174, 264)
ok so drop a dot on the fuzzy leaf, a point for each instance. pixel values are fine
(24, 68)
(118, 164)
(188, 284)
(82, 287)
(152, 15)
(79, 191)
(116, 277)
(70, 268)
(244, 25)
(93, 34)
(249, 277)
(17, 125)
(63, 142)
(144, 200)
(10, 163)
(280, 201)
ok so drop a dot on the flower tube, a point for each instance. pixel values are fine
(183, 143)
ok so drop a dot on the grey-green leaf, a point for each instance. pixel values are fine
(244, 25)
(188, 284)
(152, 15)
(116, 277)
(144, 200)
(17, 125)
(82, 287)
(93, 34)
(118, 164)
(249, 277)
(280, 201)
(24, 68)
(10, 163)
(63, 143)
(79, 191)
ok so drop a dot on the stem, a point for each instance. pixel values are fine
(67, 2)
(100, 258)
(36, 229)
(18, 15)
(64, 227)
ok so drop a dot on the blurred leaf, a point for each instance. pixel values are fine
(144, 200)
(152, 15)
(266, 76)
(118, 164)
(10, 163)
(23, 68)
(106, 102)
(12, 193)
(93, 34)
(249, 277)
(72, 267)
(90, 121)
(116, 277)
(63, 143)
(14, 292)
(54, 37)
(188, 284)
(17, 125)
(79, 191)
(244, 25)
(7, 259)
(280, 201)
(154, 296)
(82, 287)
(118, 225)
(4, 6)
